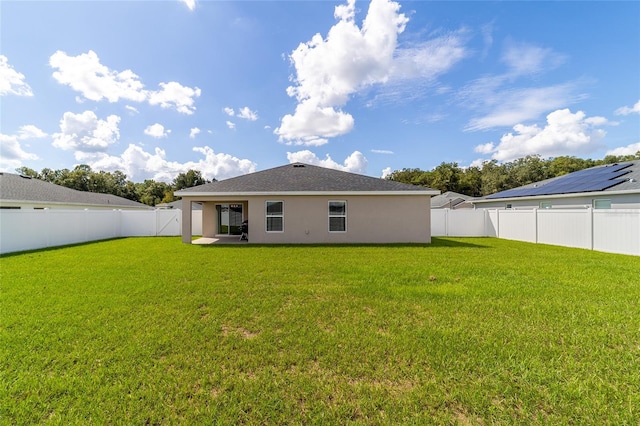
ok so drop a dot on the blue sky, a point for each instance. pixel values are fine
(154, 88)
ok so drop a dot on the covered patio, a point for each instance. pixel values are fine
(221, 220)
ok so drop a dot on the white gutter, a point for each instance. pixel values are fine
(570, 195)
(297, 193)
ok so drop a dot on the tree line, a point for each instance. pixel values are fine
(149, 192)
(474, 181)
(494, 177)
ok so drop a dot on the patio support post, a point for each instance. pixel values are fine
(186, 221)
(209, 222)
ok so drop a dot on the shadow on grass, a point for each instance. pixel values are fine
(51, 248)
(435, 243)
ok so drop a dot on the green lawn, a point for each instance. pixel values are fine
(462, 331)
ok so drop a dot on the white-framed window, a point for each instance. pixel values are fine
(545, 205)
(337, 216)
(601, 204)
(274, 216)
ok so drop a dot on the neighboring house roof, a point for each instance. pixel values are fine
(448, 199)
(21, 189)
(619, 178)
(178, 205)
(299, 179)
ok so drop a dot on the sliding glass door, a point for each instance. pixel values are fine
(229, 219)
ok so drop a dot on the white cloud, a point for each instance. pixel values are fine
(503, 100)
(175, 95)
(382, 151)
(86, 133)
(510, 106)
(329, 70)
(247, 114)
(486, 148)
(625, 110)
(429, 59)
(311, 125)
(191, 4)
(131, 109)
(11, 153)
(85, 74)
(244, 112)
(625, 150)
(386, 172)
(564, 134)
(353, 59)
(138, 164)
(524, 58)
(194, 131)
(231, 125)
(31, 132)
(11, 81)
(355, 163)
(157, 131)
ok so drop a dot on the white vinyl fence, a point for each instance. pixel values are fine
(26, 229)
(614, 231)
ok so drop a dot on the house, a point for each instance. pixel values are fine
(23, 192)
(451, 200)
(610, 186)
(301, 203)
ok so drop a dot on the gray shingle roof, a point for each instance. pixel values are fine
(19, 188)
(448, 199)
(299, 177)
(630, 182)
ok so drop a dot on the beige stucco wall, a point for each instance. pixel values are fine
(370, 219)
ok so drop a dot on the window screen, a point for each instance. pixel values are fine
(337, 216)
(275, 216)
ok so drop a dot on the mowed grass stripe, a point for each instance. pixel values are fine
(148, 330)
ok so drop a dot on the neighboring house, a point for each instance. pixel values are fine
(611, 186)
(177, 205)
(21, 192)
(451, 200)
(301, 203)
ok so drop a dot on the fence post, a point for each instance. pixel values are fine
(591, 229)
(446, 222)
(535, 212)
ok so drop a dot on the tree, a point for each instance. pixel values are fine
(471, 182)
(26, 171)
(445, 177)
(410, 176)
(189, 179)
(151, 192)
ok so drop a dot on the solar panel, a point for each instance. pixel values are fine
(588, 180)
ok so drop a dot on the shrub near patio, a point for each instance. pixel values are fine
(468, 331)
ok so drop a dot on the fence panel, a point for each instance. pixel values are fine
(617, 231)
(138, 223)
(196, 223)
(66, 226)
(491, 223)
(517, 225)
(466, 223)
(570, 228)
(439, 222)
(23, 230)
(168, 222)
